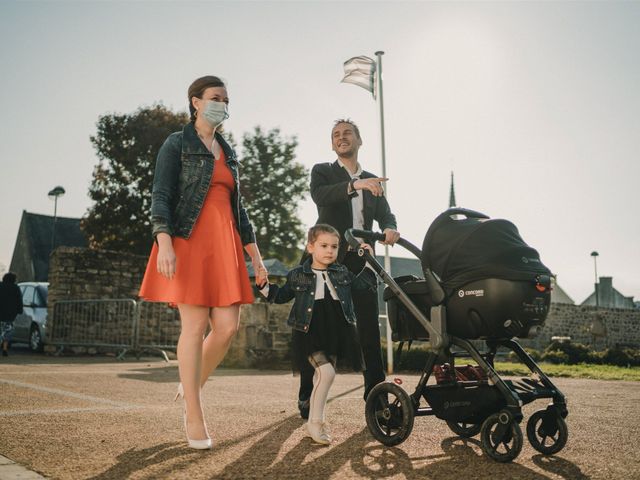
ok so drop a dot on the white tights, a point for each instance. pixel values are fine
(322, 381)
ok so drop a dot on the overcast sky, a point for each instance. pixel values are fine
(535, 106)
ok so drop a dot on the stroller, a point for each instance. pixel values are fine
(481, 282)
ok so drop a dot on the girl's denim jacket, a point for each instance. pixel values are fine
(301, 286)
(183, 173)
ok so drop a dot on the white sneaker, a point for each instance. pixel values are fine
(317, 431)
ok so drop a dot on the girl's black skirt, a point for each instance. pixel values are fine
(331, 334)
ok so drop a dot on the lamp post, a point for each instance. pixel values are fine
(595, 254)
(53, 195)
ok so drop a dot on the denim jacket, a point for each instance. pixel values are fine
(183, 173)
(301, 286)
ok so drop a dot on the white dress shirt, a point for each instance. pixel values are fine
(357, 203)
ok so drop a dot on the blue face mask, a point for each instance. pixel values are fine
(215, 113)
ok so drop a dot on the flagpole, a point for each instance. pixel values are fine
(387, 259)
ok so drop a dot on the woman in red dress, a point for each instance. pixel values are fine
(200, 228)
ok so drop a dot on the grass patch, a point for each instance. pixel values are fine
(581, 370)
(414, 361)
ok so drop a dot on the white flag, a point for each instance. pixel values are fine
(361, 71)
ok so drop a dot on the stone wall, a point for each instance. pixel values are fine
(600, 327)
(84, 273)
(88, 274)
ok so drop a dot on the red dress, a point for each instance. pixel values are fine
(210, 268)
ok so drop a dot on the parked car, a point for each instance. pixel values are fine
(31, 326)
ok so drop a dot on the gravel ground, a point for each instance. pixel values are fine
(98, 418)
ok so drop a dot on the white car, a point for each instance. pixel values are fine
(30, 326)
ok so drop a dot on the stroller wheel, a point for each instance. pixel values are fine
(547, 431)
(464, 429)
(389, 412)
(501, 437)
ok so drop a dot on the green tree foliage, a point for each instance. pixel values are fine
(127, 146)
(272, 186)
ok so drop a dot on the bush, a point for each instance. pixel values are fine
(555, 356)
(557, 352)
(621, 357)
(575, 352)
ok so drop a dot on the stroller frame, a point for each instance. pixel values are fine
(390, 410)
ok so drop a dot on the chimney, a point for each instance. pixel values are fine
(605, 292)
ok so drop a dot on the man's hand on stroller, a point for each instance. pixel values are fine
(391, 236)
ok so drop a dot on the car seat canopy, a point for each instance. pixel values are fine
(462, 246)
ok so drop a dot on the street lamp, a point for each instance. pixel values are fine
(53, 195)
(595, 254)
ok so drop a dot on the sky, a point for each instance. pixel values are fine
(534, 106)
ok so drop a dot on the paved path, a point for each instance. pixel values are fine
(10, 470)
(79, 418)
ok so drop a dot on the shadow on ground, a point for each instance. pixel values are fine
(178, 456)
(169, 373)
(358, 456)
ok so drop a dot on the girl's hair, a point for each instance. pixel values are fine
(316, 230)
(197, 88)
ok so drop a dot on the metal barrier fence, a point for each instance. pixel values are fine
(123, 324)
(158, 328)
(94, 323)
(129, 326)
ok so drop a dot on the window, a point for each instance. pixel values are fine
(27, 296)
(41, 294)
(37, 298)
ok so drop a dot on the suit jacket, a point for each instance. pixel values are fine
(329, 184)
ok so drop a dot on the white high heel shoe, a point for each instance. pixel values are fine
(179, 393)
(205, 444)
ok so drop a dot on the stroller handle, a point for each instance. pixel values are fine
(351, 234)
(464, 211)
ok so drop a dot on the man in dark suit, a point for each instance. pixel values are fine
(348, 197)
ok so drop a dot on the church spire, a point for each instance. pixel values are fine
(452, 194)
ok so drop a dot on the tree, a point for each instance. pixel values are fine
(272, 183)
(127, 146)
(272, 186)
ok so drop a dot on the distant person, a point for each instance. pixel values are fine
(10, 307)
(349, 197)
(322, 318)
(200, 228)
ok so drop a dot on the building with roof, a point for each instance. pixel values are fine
(37, 239)
(608, 297)
(558, 295)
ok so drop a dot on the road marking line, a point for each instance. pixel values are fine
(65, 393)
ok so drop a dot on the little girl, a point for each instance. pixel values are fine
(322, 317)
